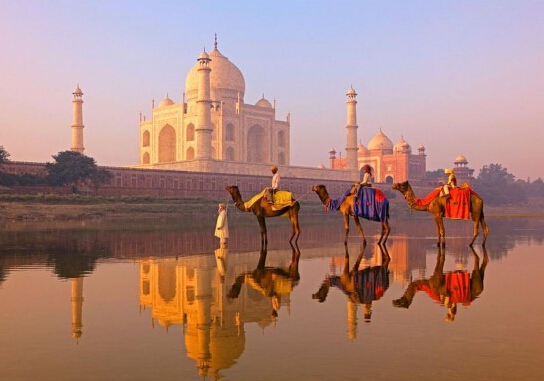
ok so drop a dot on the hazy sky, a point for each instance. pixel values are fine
(460, 77)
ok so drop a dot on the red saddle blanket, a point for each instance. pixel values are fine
(457, 206)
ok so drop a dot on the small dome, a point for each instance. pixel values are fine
(381, 142)
(361, 149)
(204, 55)
(461, 160)
(320, 166)
(421, 147)
(402, 147)
(351, 91)
(77, 90)
(263, 102)
(166, 102)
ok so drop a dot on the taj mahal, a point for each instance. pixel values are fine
(213, 130)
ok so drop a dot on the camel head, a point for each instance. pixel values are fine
(401, 187)
(320, 189)
(233, 190)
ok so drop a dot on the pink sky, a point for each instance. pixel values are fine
(459, 77)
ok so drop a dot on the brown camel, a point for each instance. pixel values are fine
(346, 208)
(442, 288)
(437, 208)
(262, 209)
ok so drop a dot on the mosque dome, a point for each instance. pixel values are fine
(402, 147)
(461, 159)
(225, 78)
(380, 142)
(263, 102)
(361, 149)
(166, 102)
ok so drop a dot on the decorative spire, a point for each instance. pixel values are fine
(215, 43)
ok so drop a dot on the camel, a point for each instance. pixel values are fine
(346, 208)
(262, 209)
(437, 208)
(448, 288)
(271, 282)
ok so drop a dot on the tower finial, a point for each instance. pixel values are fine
(215, 43)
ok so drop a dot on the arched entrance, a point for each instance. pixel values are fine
(167, 144)
(257, 147)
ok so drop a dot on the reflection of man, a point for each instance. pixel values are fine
(221, 254)
(450, 288)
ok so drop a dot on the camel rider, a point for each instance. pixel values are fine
(452, 182)
(269, 194)
(367, 179)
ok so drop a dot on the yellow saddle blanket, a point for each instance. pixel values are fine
(281, 199)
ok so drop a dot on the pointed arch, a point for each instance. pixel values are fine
(229, 154)
(167, 144)
(257, 149)
(281, 158)
(146, 139)
(190, 153)
(190, 132)
(281, 139)
(230, 133)
(145, 158)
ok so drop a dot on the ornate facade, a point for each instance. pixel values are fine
(389, 162)
(212, 122)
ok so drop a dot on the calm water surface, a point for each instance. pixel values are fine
(118, 301)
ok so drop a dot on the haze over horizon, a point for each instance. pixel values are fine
(459, 77)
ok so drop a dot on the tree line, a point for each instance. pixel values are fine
(494, 183)
(69, 168)
(499, 187)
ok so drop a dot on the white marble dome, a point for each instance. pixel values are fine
(225, 78)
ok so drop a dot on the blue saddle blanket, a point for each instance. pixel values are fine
(370, 204)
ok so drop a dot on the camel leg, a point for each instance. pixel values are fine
(296, 227)
(262, 226)
(359, 228)
(475, 230)
(485, 229)
(440, 232)
(386, 229)
(346, 227)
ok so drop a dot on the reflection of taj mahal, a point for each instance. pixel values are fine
(192, 292)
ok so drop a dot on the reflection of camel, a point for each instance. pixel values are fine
(437, 208)
(346, 208)
(450, 288)
(361, 286)
(272, 282)
(262, 209)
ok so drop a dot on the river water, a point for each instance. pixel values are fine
(158, 300)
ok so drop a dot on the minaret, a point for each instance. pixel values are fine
(204, 116)
(77, 121)
(351, 127)
(77, 306)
